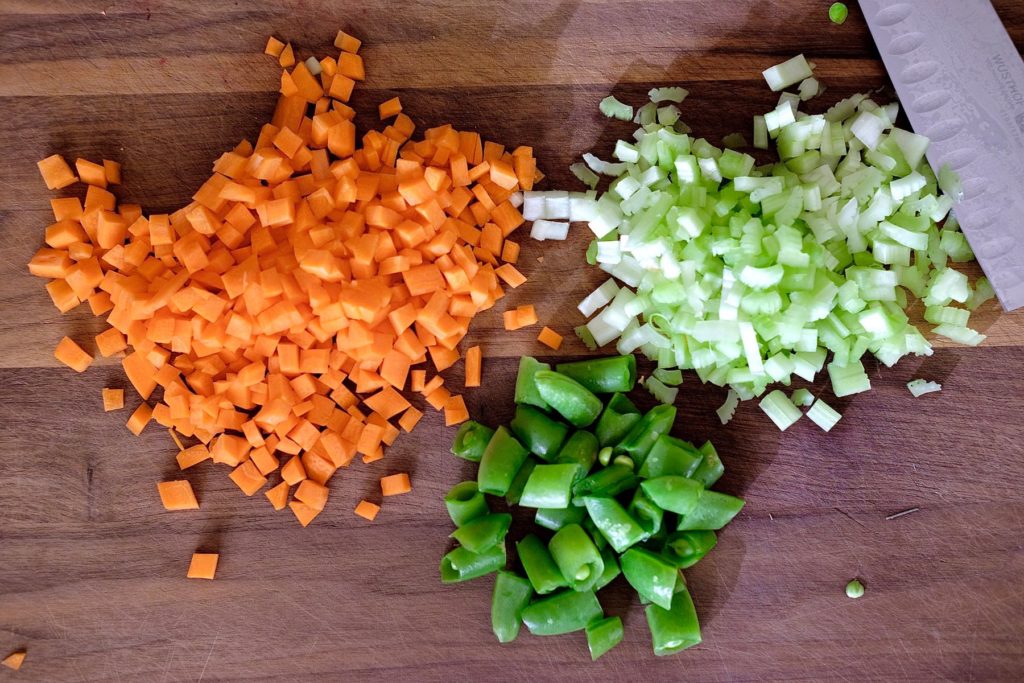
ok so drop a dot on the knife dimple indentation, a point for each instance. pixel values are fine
(893, 14)
(906, 43)
(974, 186)
(919, 71)
(930, 101)
(945, 129)
(958, 158)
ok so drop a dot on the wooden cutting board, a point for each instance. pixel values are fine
(92, 569)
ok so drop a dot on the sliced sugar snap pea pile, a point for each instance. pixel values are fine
(612, 493)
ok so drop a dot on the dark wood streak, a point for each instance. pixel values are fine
(91, 568)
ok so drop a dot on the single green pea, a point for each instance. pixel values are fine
(854, 589)
(604, 456)
(838, 12)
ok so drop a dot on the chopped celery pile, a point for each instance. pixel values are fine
(751, 274)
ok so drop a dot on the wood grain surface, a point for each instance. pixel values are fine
(92, 569)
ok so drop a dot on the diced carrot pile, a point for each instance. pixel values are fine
(279, 316)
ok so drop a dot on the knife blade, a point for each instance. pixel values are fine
(961, 81)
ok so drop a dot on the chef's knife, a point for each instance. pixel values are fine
(961, 82)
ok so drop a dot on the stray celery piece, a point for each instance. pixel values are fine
(823, 415)
(920, 387)
(614, 109)
(780, 409)
(802, 397)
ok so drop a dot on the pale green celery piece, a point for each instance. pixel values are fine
(728, 409)
(614, 109)
(920, 387)
(669, 377)
(734, 140)
(760, 133)
(586, 337)
(668, 94)
(658, 390)
(938, 315)
(802, 397)
(950, 184)
(959, 334)
(982, 292)
(780, 409)
(848, 379)
(584, 174)
(955, 245)
(823, 415)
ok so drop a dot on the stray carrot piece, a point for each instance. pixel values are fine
(113, 399)
(112, 169)
(174, 435)
(455, 411)
(274, 47)
(435, 382)
(347, 43)
(265, 461)
(312, 494)
(367, 510)
(522, 316)
(304, 513)
(203, 566)
(389, 108)
(140, 418)
(193, 456)
(110, 341)
(278, 495)
(351, 65)
(91, 173)
(17, 658)
(438, 398)
(177, 495)
(56, 172)
(387, 402)
(293, 472)
(395, 484)
(510, 252)
(287, 57)
(248, 478)
(512, 277)
(410, 418)
(526, 314)
(72, 355)
(549, 338)
(474, 359)
(417, 380)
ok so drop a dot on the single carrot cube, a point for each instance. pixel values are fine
(113, 399)
(395, 484)
(389, 108)
(72, 355)
(367, 510)
(203, 566)
(177, 495)
(56, 172)
(549, 338)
